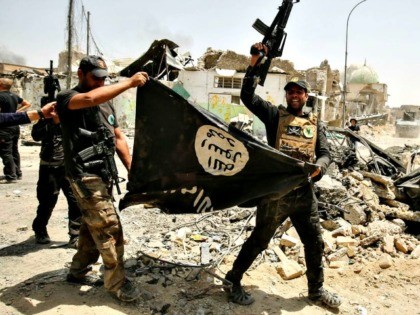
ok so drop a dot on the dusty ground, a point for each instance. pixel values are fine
(32, 276)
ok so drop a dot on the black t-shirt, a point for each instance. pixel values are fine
(354, 128)
(72, 121)
(8, 104)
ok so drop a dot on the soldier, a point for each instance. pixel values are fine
(101, 230)
(298, 135)
(51, 180)
(9, 136)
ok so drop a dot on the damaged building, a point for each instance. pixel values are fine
(215, 82)
(407, 121)
(366, 96)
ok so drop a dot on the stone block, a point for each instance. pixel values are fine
(343, 230)
(358, 229)
(352, 251)
(346, 241)
(288, 241)
(289, 269)
(338, 264)
(329, 242)
(401, 246)
(388, 245)
(338, 254)
(354, 214)
(385, 261)
(370, 240)
(416, 252)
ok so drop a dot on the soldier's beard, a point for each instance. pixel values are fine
(295, 111)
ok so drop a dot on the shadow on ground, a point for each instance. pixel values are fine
(49, 291)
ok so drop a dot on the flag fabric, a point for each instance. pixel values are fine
(187, 160)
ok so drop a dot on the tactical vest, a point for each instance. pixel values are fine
(296, 136)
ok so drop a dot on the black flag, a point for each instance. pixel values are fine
(187, 160)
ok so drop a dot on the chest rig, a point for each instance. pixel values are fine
(296, 136)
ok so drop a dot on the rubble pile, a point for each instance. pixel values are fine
(366, 218)
(373, 223)
(361, 222)
(233, 61)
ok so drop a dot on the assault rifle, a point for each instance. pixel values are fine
(103, 150)
(274, 39)
(51, 84)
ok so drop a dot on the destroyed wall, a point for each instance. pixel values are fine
(219, 92)
(324, 81)
(215, 88)
(407, 121)
(325, 84)
(75, 59)
(398, 112)
(233, 61)
(8, 69)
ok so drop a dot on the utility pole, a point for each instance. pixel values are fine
(69, 43)
(345, 65)
(88, 33)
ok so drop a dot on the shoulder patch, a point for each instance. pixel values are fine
(111, 119)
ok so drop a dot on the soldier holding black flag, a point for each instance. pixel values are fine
(298, 135)
(88, 122)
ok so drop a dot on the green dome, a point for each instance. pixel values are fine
(365, 75)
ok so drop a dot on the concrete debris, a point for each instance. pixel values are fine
(385, 261)
(230, 60)
(338, 255)
(415, 254)
(370, 240)
(388, 244)
(401, 246)
(288, 269)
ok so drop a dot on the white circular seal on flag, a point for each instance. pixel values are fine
(218, 152)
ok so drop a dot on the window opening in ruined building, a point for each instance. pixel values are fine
(227, 82)
(236, 99)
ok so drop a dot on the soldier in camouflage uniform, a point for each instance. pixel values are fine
(83, 112)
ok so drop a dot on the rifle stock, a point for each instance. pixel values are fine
(274, 39)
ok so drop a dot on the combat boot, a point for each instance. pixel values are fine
(42, 237)
(128, 292)
(236, 292)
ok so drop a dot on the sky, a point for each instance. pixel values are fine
(382, 33)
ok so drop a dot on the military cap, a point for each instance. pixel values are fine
(94, 64)
(299, 82)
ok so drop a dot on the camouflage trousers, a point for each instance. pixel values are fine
(301, 206)
(100, 232)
